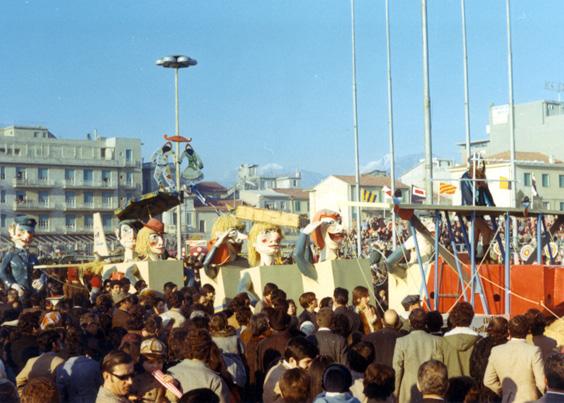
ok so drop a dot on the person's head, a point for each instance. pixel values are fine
(218, 323)
(117, 372)
(243, 315)
(341, 324)
(461, 314)
(292, 308)
(411, 302)
(49, 340)
(90, 323)
(326, 302)
(116, 286)
(324, 317)
(337, 379)
(434, 322)
(518, 327)
(12, 296)
(554, 372)
(279, 299)
(390, 319)
(267, 291)
(153, 353)
(537, 322)
(458, 388)
(263, 243)
(198, 344)
(279, 319)
(209, 292)
(418, 319)
(294, 385)
(259, 324)
(175, 300)
(169, 287)
(432, 378)
(200, 395)
(40, 390)
(340, 296)
(360, 297)
(152, 326)
(361, 355)
(308, 301)
(315, 371)
(125, 285)
(498, 328)
(379, 381)
(300, 352)
(176, 344)
(8, 392)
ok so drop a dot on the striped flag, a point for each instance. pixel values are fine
(534, 191)
(446, 188)
(368, 196)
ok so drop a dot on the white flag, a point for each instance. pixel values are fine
(534, 186)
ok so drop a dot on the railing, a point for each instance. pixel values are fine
(32, 205)
(26, 182)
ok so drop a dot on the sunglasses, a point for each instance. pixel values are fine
(124, 377)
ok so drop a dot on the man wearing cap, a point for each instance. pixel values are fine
(17, 265)
(145, 385)
(409, 303)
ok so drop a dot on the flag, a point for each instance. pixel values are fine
(534, 186)
(368, 196)
(503, 183)
(446, 188)
(419, 192)
(387, 192)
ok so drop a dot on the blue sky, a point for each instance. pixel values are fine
(273, 81)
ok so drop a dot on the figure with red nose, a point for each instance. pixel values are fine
(17, 265)
(326, 233)
(263, 244)
(150, 243)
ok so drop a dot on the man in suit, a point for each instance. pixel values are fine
(432, 381)
(515, 369)
(554, 372)
(384, 340)
(340, 301)
(410, 352)
(329, 343)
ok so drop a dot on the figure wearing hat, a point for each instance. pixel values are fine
(163, 173)
(150, 242)
(17, 265)
(126, 233)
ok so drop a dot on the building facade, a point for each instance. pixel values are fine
(62, 182)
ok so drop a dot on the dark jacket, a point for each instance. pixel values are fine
(384, 342)
(333, 345)
(480, 355)
(355, 324)
(16, 267)
(483, 194)
(271, 349)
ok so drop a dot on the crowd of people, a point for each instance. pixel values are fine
(128, 343)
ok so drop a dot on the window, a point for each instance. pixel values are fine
(545, 180)
(3, 196)
(129, 179)
(43, 222)
(3, 220)
(527, 179)
(106, 177)
(106, 199)
(202, 226)
(20, 173)
(107, 220)
(70, 222)
(297, 206)
(89, 199)
(88, 222)
(128, 155)
(561, 206)
(43, 199)
(87, 176)
(70, 199)
(69, 175)
(2, 173)
(546, 205)
(561, 181)
(42, 174)
(20, 197)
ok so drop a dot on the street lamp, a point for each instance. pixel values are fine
(177, 62)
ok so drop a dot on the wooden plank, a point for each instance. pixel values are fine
(268, 216)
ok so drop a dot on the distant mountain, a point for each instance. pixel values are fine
(403, 163)
(309, 178)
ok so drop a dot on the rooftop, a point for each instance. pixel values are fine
(371, 180)
(294, 193)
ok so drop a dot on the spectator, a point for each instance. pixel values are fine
(340, 301)
(224, 335)
(384, 340)
(435, 323)
(497, 334)
(537, 324)
(410, 352)
(459, 387)
(432, 381)
(294, 386)
(308, 302)
(409, 303)
(39, 390)
(378, 382)
(361, 355)
(330, 344)
(145, 385)
(266, 301)
(8, 392)
(367, 313)
(117, 373)
(271, 348)
(515, 369)
(175, 303)
(336, 383)
(455, 348)
(554, 372)
(202, 395)
(316, 370)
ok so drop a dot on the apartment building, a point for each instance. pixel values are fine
(62, 182)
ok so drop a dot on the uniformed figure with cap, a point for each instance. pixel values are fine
(17, 265)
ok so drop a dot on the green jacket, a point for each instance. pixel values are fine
(455, 351)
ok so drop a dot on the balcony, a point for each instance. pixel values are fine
(32, 205)
(32, 183)
(131, 186)
(75, 184)
(71, 206)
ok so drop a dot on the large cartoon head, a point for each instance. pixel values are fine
(264, 239)
(167, 147)
(22, 231)
(234, 228)
(126, 233)
(150, 240)
(331, 233)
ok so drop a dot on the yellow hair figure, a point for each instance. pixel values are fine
(257, 228)
(225, 223)
(142, 242)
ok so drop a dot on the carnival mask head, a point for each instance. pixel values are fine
(126, 232)
(264, 241)
(331, 233)
(189, 150)
(167, 147)
(231, 229)
(150, 242)
(22, 231)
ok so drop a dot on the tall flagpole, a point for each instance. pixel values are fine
(390, 121)
(466, 93)
(427, 108)
(355, 126)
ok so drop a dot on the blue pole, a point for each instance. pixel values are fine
(507, 263)
(420, 262)
(455, 252)
(539, 239)
(437, 236)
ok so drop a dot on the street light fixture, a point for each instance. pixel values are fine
(177, 62)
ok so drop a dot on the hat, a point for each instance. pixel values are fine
(410, 300)
(337, 378)
(307, 328)
(26, 222)
(153, 347)
(155, 225)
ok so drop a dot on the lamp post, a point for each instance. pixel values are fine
(177, 62)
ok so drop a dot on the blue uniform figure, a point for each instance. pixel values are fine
(17, 264)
